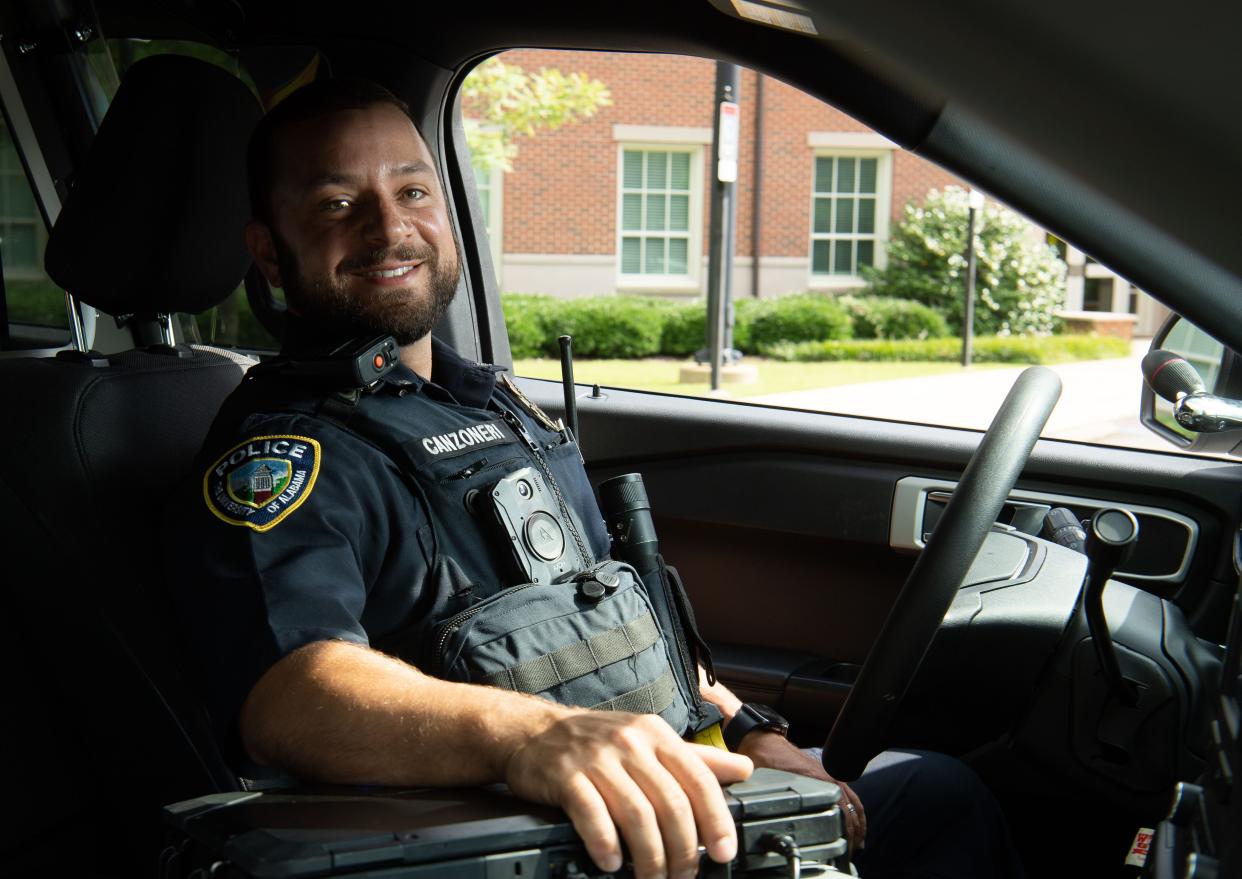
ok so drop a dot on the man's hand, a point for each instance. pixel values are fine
(773, 751)
(611, 770)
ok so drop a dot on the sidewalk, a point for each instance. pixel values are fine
(1099, 400)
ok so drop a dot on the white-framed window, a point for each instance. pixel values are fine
(659, 215)
(490, 186)
(850, 204)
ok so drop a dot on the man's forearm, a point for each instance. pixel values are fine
(339, 712)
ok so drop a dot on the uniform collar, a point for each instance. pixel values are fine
(453, 378)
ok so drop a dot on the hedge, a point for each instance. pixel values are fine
(801, 327)
(986, 349)
(613, 326)
(804, 317)
(886, 317)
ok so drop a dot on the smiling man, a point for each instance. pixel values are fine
(336, 537)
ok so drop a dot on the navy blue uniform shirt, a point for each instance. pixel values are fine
(298, 529)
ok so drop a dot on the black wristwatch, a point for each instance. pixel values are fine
(752, 716)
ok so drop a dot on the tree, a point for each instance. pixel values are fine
(1020, 281)
(502, 102)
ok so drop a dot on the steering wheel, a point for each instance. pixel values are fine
(936, 576)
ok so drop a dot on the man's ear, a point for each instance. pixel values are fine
(263, 251)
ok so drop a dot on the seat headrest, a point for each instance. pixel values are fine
(154, 221)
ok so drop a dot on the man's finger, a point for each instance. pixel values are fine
(634, 816)
(726, 766)
(855, 817)
(675, 811)
(588, 813)
(711, 816)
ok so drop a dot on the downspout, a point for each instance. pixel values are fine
(757, 191)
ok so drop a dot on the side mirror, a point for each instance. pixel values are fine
(1221, 371)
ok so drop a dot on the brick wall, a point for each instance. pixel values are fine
(562, 194)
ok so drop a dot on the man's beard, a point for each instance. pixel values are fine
(398, 312)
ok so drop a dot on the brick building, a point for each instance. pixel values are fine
(620, 202)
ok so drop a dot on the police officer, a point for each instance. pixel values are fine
(313, 548)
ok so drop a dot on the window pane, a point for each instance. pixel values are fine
(681, 171)
(845, 215)
(679, 213)
(655, 256)
(20, 203)
(841, 257)
(633, 170)
(866, 175)
(655, 212)
(657, 168)
(632, 212)
(823, 174)
(866, 253)
(866, 216)
(631, 263)
(845, 175)
(823, 215)
(819, 257)
(677, 263)
(20, 249)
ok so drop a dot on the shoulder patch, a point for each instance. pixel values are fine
(259, 482)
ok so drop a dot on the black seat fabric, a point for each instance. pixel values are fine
(89, 454)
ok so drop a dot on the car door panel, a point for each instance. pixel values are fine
(779, 520)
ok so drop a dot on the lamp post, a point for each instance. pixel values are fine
(974, 203)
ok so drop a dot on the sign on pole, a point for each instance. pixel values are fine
(726, 151)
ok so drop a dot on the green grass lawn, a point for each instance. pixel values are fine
(661, 373)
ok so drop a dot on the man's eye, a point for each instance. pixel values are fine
(414, 194)
(336, 204)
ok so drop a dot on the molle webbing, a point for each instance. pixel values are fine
(651, 699)
(580, 658)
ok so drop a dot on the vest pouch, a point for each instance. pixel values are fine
(590, 640)
(688, 649)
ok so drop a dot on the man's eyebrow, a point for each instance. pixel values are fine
(418, 166)
(331, 178)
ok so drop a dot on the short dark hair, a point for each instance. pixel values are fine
(321, 98)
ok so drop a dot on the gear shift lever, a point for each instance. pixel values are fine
(1111, 535)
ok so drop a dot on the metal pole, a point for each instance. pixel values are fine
(756, 201)
(968, 317)
(720, 240)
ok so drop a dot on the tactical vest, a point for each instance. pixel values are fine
(592, 639)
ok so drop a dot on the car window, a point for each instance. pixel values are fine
(35, 312)
(850, 260)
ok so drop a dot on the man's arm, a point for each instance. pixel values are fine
(773, 751)
(338, 712)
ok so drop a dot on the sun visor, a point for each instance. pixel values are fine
(154, 220)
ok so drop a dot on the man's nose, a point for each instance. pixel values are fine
(386, 223)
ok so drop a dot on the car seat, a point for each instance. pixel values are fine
(103, 728)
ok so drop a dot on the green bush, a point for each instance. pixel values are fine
(1020, 280)
(685, 329)
(883, 317)
(986, 349)
(524, 313)
(685, 326)
(805, 317)
(605, 327)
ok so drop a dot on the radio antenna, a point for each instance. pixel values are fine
(567, 383)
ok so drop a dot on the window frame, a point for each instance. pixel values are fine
(692, 281)
(884, 208)
(494, 203)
